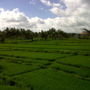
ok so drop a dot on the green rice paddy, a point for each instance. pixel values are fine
(45, 65)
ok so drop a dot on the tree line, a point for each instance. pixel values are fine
(51, 34)
(13, 33)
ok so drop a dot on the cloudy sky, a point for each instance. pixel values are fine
(37, 15)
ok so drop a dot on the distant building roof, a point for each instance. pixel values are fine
(84, 33)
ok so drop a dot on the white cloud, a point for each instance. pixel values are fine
(67, 7)
(49, 3)
(73, 7)
(13, 18)
(75, 13)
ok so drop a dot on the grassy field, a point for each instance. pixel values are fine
(45, 65)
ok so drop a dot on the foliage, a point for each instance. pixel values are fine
(13, 33)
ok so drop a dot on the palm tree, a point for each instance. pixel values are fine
(2, 37)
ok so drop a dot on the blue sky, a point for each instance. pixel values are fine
(26, 6)
(37, 15)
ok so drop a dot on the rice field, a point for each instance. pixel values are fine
(45, 65)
